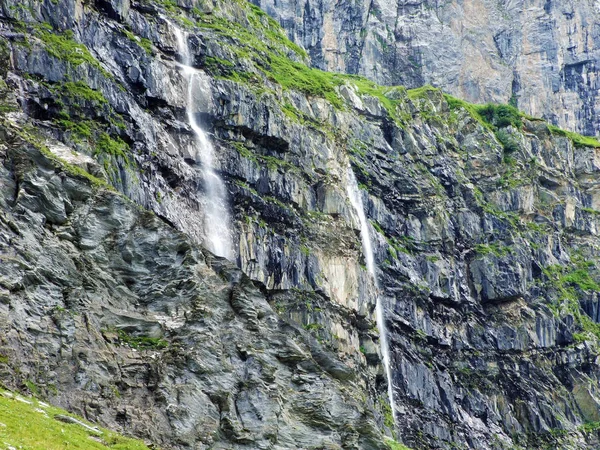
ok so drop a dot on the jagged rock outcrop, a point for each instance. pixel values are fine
(484, 233)
(542, 55)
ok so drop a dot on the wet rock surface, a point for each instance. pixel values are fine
(487, 257)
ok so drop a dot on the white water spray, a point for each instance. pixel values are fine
(217, 233)
(357, 204)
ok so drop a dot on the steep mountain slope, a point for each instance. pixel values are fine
(484, 226)
(542, 54)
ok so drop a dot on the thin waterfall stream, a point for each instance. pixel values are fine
(357, 203)
(217, 230)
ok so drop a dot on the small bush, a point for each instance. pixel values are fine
(508, 141)
(500, 116)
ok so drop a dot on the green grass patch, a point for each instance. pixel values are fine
(112, 146)
(569, 282)
(144, 43)
(577, 139)
(388, 415)
(80, 90)
(141, 342)
(292, 75)
(495, 116)
(490, 115)
(31, 425)
(493, 249)
(64, 47)
(590, 427)
(73, 170)
(394, 445)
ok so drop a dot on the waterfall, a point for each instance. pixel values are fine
(357, 204)
(217, 231)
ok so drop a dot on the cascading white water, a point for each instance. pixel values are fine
(357, 204)
(217, 232)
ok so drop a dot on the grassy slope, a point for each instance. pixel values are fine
(30, 424)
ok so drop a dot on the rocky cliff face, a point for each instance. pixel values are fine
(542, 55)
(484, 229)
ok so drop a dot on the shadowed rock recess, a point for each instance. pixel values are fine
(484, 225)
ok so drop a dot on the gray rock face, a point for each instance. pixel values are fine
(117, 316)
(487, 255)
(542, 54)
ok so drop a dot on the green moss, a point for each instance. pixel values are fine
(24, 426)
(260, 20)
(292, 113)
(377, 227)
(510, 218)
(389, 97)
(395, 245)
(81, 129)
(511, 179)
(297, 76)
(458, 104)
(591, 211)
(264, 43)
(491, 115)
(422, 92)
(271, 162)
(582, 279)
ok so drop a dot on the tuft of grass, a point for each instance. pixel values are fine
(31, 424)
